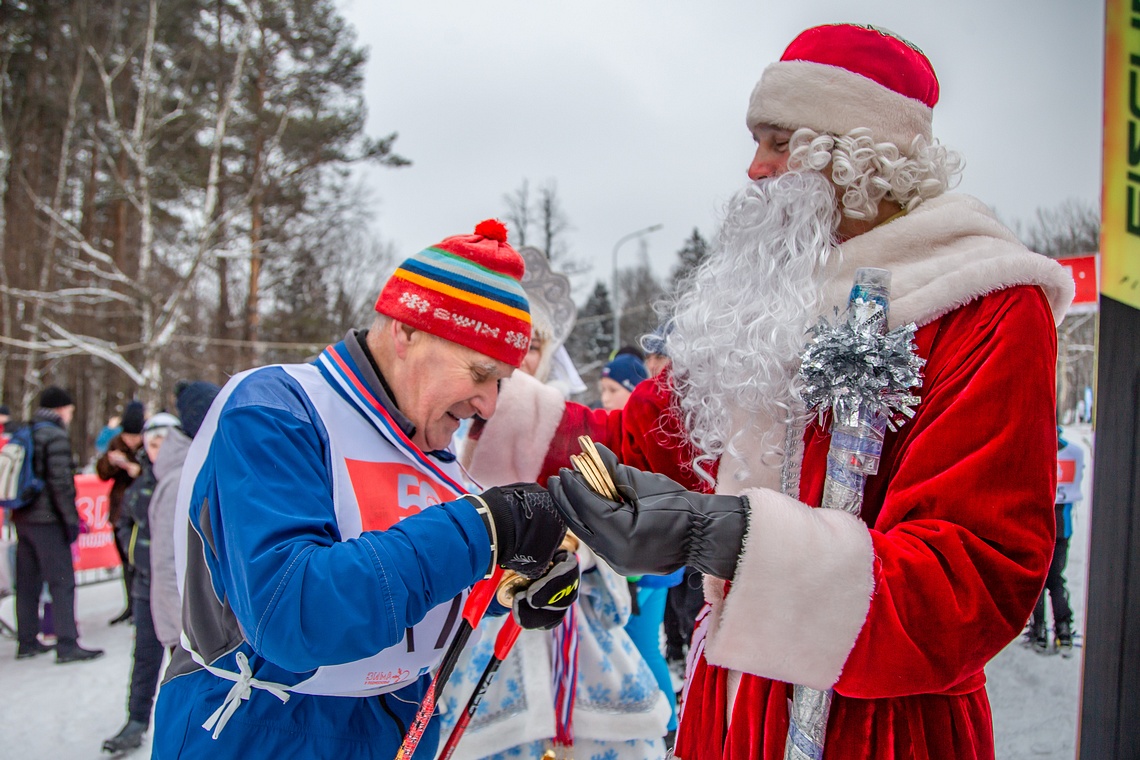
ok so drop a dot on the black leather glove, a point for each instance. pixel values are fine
(658, 528)
(72, 533)
(527, 527)
(543, 604)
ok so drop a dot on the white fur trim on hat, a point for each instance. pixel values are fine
(794, 94)
(800, 596)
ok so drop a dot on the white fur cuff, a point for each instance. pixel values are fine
(800, 596)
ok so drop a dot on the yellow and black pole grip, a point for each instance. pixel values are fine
(513, 583)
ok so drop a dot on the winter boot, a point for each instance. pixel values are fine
(130, 737)
(31, 650)
(1036, 637)
(1064, 638)
(122, 617)
(76, 653)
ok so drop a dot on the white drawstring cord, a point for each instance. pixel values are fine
(244, 683)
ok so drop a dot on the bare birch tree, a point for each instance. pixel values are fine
(155, 302)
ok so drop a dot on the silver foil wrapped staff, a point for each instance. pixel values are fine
(862, 375)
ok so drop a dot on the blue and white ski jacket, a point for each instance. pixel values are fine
(324, 574)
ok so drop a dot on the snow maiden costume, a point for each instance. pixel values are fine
(618, 711)
(614, 710)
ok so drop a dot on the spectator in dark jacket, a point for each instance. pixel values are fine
(45, 531)
(119, 464)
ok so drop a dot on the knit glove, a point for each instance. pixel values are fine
(526, 530)
(658, 527)
(543, 604)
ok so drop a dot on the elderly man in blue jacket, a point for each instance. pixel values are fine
(327, 537)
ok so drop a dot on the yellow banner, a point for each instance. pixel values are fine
(1120, 195)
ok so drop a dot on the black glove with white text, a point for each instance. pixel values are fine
(543, 604)
(527, 529)
(659, 526)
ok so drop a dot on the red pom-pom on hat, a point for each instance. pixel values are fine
(492, 229)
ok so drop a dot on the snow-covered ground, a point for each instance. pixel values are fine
(65, 712)
(1035, 698)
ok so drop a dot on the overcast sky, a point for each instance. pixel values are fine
(636, 107)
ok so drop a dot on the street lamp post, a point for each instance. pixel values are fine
(614, 282)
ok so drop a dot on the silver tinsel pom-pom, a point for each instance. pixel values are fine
(853, 365)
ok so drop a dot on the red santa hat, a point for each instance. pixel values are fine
(840, 77)
(465, 289)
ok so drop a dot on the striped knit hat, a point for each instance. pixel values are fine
(465, 289)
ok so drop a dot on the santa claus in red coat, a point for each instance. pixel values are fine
(897, 610)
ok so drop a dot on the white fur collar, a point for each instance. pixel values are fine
(942, 255)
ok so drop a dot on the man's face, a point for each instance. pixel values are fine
(66, 413)
(442, 383)
(771, 158)
(132, 440)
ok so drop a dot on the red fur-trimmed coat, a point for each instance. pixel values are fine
(901, 610)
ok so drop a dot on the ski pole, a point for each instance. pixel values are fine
(510, 584)
(508, 634)
(473, 611)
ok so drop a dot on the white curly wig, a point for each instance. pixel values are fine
(870, 171)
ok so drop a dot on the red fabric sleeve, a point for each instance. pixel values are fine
(646, 434)
(961, 512)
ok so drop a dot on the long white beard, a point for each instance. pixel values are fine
(740, 326)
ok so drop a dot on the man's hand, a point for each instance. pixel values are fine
(659, 526)
(543, 604)
(527, 527)
(72, 531)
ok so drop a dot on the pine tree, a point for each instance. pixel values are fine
(591, 341)
(178, 168)
(303, 125)
(692, 254)
(641, 293)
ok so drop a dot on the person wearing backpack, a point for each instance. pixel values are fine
(45, 530)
